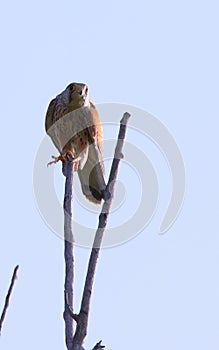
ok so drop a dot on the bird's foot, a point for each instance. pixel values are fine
(63, 157)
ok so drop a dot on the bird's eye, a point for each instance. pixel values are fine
(86, 90)
(71, 87)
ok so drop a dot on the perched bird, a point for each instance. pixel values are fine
(73, 124)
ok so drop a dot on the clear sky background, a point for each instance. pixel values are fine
(155, 291)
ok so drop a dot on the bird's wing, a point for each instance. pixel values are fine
(51, 125)
(96, 121)
(96, 133)
(50, 115)
(92, 174)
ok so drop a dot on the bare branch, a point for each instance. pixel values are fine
(7, 299)
(81, 329)
(68, 254)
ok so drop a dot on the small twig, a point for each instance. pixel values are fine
(69, 309)
(98, 346)
(68, 254)
(7, 299)
(81, 329)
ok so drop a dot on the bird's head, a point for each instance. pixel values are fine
(78, 95)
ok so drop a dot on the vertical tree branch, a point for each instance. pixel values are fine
(82, 317)
(68, 253)
(7, 299)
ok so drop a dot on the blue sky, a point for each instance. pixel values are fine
(155, 291)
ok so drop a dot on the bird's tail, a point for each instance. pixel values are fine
(92, 175)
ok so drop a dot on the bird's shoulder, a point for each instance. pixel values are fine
(57, 109)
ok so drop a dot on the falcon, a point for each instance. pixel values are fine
(74, 126)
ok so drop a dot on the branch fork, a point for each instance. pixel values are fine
(75, 341)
